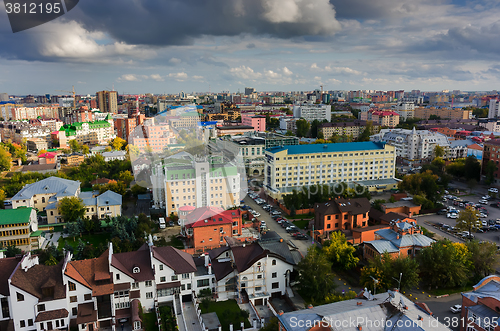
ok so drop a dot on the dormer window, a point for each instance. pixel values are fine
(136, 270)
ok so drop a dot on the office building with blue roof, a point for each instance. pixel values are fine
(289, 168)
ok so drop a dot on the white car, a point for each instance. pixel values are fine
(482, 215)
(456, 309)
(493, 190)
(483, 201)
(486, 197)
(452, 215)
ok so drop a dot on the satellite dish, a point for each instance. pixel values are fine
(155, 238)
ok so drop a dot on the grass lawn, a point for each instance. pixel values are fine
(149, 322)
(176, 242)
(227, 311)
(300, 217)
(302, 224)
(94, 239)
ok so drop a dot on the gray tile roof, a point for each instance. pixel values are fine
(382, 246)
(109, 198)
(59, 186)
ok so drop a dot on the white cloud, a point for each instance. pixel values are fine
(271, 74)
(178, 76)
(129, 78)
(342, 70)
(195, 77)
(175, 60)
(244, 72)
(157, 77)
(287, 72)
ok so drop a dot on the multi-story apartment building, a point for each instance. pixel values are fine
(102, 292)
(258, 122)
(155, 136)
(185, 120)
(19, 227)
(412, 146)
(310, 111)
(405, 110)
(37, 144)
(107, 101)
(492, 153)
(27, 113)
(290, 168)
(125, 125)
(251, 146)
(380, 117)
(450, 113)
(97, 132)
(287, 124)
(6, 109)
(199, 181)
(20, 131)
(352, 128)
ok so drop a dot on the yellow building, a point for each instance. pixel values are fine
(19, 227)
(354, 128)
(290, 168)
(444, 113)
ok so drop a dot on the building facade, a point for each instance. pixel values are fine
(107, 101)
(310, 111)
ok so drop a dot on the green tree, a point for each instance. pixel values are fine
(85, 149)
(314, 128)
(138, 189)
(118, 143)
(315, 277)
(468, 221)
(484, 257)
(71, 208)
(74, 145)
(489, 170)
(2, 198)
(118, 187)
(302, 127)
(13, 251)
(472, 168)
(5, 159)
(439, 151)
(340, 253)
(126, 177)
(377, 204)
(409, 269)
(51, 261)
(367, 132)
(434, 117)
(444, 264)
(289, 133)
(387, 271)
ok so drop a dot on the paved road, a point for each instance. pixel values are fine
(441, 309)
(302, 245)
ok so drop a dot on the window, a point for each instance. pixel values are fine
(161, 266)
(274, 275)
(117, 276)
(136, 270)
(57, 323)
(74, 311)
(259, 276)
(203, 282)
(137, 325)
(345, 216)
(30, 322)
(149, 295)
(148, 283)
(274, 262)
(175, 277)
(328, 226)
(20, 297)
(87, 297)
(275, 285)
(135, 285)
(185, 276)
(23, 323)
(258, 288)
(73, 298)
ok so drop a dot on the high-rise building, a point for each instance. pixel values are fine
(494, 107)
(107, 101)
(249, 90)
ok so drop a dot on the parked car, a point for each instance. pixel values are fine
(301, 237)
(496, 205)
(452, 215)
(442, 212)
(482, 215)
(486, 197)
(493, 190)
(456, 309)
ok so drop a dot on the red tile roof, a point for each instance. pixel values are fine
(90, 272)
(208, 216)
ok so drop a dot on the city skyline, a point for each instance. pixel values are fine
(280, 45)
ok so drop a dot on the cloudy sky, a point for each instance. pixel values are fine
(165, 46)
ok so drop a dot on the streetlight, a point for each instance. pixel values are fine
(399, 281)
(375, 282)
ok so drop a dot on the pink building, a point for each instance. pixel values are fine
(258, 122)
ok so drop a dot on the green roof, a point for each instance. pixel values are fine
(36, 233)
(15, 216)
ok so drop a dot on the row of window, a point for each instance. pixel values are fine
(13, 232)
(334, 155)
(13, 225)
(15, 242)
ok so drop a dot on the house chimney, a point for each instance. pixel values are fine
(280, 312)
(206, 259)
(360, 327)
(309, 306)
(210, 268)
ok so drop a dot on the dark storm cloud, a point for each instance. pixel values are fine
(178, 22)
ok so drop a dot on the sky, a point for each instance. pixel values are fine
(168, 46)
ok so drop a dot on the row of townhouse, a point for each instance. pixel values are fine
(112, 289)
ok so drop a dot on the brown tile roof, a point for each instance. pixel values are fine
(91, 273)
(392, 216)
(245, 256)
(214, 253)
(39, 167)
(51, 315)
(7, 266)
(179, 261)
(375, 214)
(371, 228)
(353, 206)
(327, 208)
(126, 262)
(221, 269)
(33, 279)
(122, 286)
(86, 313)
(7, 325)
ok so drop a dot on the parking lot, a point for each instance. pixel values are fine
(492, 235)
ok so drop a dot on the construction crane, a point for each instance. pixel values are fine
(73, 92)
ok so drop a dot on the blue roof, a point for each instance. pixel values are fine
(328, 148)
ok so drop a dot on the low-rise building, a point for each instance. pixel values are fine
(19, 227)
(444, 112)
(37, 144)
(75, 159)
(352, 128)
(233, 130)
(47, 158)
(404, 238)
(114, 155)
(42, 168)
(340, 214)
(311, 111)
(381, 117)
(406, 207)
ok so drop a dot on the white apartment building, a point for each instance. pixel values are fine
(494, 108)
(199, 181)
(405, 110)
(310, 111)
(412, 146)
